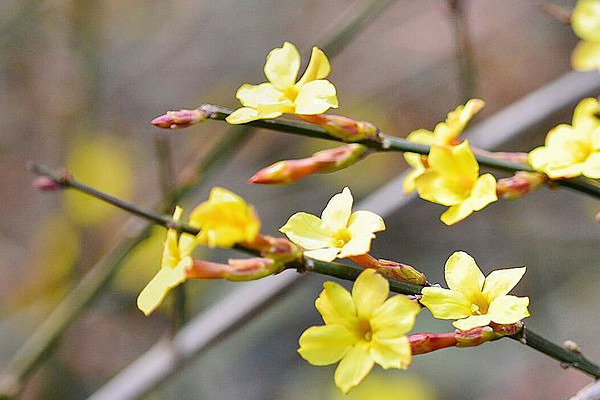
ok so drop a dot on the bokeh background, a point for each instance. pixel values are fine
(80, 82)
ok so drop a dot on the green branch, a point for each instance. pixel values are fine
(390, 143)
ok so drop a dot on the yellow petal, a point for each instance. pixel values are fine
(242, 115)
(359, 244)
(316, 97)
(395, 317)
(463, 275)
(171, 256)
(187, 244)
(408, 185)
(445, 304)
(585, 20)
(508, 309)
(354, 367)
(591, 167)
(456, 121)
(472, 322)
(422, 136)
(586, 56)
(307, 231)
(336, 306)
(584, 115)
(457, 213)
(365, 221)
(500, 282)
(336, 214)
(466, 163)
(282, 66)
(327, 255)
(484, 192)
(255, 95)
(435, 187)
(369, 292)
(327, 344)
(156, 290)
(318, 67)
(391, 353)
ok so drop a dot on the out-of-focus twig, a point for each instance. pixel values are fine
(590, 392)
(467, 68)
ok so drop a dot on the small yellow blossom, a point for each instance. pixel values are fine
(312, 94)
(338, 233)
(473, 299)
(225, 219)
(360, 329)
(452, 179)
(176, 259)
(444, 134)
(572, 150)
(586, 24)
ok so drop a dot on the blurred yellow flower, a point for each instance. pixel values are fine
(225, 219)
(572, 150)
(389, 387)
(444, 134)
(176, 259)
(360, 329)
(473, 299)
(586, 24)
(452, 179)
(312, 94)
(338, 233)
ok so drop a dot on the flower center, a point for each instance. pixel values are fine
(582, 152)
(341, 237)
(364, 328)
(291, 92)
(480, 305)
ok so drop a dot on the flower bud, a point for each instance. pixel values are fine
(236, 269)
(179, 119)
(476, 336)
(421, 343)
(325, 161)
(46, 184)
(391, 269)
(279, 249)
(344, 128)
(520, 184)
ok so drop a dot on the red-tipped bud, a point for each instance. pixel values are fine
(325, 161)
(344, 128)
(421, 343)
(476, 336)
(519, 185)
(391, 269)
(46, 184)
(179, 119)
(280, 250)
(237, 269)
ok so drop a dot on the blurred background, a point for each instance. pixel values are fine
(80, 82)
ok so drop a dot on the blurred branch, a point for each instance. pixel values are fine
(590, 392)
(396, 144)
(559, 13)
(49, 332)
(467, 69)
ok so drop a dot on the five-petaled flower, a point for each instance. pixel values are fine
(360, 329)
(586, 24)
(444, 134)
(338, 233)
(572, 150)
(474, 300)
(452, 179)
(225, 219)
(311, 95)
(176, 259)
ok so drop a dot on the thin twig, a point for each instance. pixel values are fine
(467, 69)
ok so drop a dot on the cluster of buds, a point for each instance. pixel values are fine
(325, 161)
(519, 185)
(391, 269)
(344, 128)
(180, 119)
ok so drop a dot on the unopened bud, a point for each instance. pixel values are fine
(236, 270)
(403, 272)
(421, 343)
(46, 184)
(344, 128)
(572, 346)
(519, 185)
(179, 119)
(476, 336)
(325, 161)
(278, 249)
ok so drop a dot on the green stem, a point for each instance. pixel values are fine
(396, 144)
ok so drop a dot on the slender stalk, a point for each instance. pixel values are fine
(397, 144)
(349, 272)
(47, 335)
(467, 70)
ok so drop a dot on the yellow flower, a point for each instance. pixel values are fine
(225, 219)
(452, 179)
(360, 329)
(572, 150)
(586, 24)
(338, 233)
(312, 94)
(473, 299)
(175, 260)
(444, 134)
